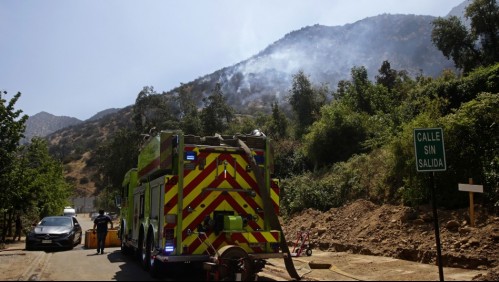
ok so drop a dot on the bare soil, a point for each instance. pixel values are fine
(362, 227)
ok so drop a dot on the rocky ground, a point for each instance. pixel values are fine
(405, 233)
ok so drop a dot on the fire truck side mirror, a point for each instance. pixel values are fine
(117, 201)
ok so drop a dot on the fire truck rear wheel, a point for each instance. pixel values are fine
(125, 250)
(235, 260)
(149, 248)
(156, 270)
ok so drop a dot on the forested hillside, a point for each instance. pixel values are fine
(332, 145)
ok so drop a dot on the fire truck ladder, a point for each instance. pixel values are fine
(268, 211)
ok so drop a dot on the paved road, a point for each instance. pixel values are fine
(81, 264)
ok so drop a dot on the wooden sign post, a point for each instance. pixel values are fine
(471, 189)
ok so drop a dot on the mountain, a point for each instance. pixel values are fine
(324, 53)
(459, 11)
(327, 54)
(103, 113)
(43, 123)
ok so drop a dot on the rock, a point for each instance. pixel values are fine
(465, 229)
(418, 221)
(427, 217)
(452, 225)
(321, 231)
(319, 265)
(474, 243)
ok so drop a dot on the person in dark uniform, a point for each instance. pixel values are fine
(100, 224)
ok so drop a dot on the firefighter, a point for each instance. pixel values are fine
(100, 223)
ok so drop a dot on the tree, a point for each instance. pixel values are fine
(387, 76)
(278, 126)
(358, 92)
(117, 156)
(472, 146)
(155, 111)
(190, 118)
(336, 136)
(306, 102)
(48, 191)
(470, 48)
(451, 37)
(36, 185)
(217, 114)
(12, 126)
(484, 15)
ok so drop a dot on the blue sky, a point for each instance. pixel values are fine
(76, 58)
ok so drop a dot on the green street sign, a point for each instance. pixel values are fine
(430, 151)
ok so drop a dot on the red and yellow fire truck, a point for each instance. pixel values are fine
(209, 200)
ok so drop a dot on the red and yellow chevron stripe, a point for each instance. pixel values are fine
(223, 184)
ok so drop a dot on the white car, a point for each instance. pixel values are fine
(69, 211)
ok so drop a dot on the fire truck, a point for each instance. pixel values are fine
(210, 200)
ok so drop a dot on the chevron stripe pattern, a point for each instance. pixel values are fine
(219, 180)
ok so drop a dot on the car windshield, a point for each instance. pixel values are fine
(56, 221)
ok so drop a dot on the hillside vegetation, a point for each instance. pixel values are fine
(359, 145)
(331, 146)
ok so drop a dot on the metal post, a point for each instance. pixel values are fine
(437, 230)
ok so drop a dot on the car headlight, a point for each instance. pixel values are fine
(69, 233)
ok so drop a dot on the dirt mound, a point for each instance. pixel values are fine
(405, 233)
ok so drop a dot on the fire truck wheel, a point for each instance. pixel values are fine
(233, 261)
(124, 249)
(156, 270)
(149, 248)
(146, 252)
(141, 249)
